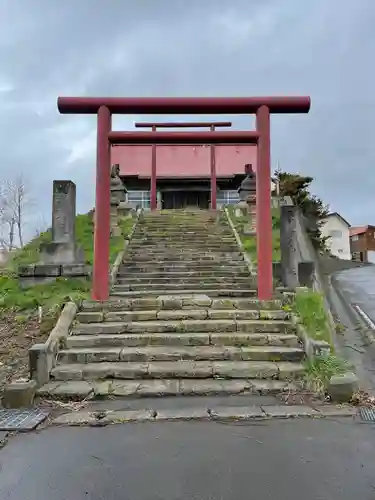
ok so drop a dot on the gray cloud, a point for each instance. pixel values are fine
(191, 47)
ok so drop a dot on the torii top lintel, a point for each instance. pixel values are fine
(181, 124)
(182, 105)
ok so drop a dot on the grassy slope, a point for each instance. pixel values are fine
(20, 324)
(52, 295)
(250, 242)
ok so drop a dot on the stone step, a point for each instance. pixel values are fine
(209, 237)
(69, 390)
(158, 274)
(284, 370)
(202, 225)
(182, 287)
(176, 234)
(206, 235)
(181, 267)
(184, 256)
(214, 292)
(185, 246)
(200, 238)
(193, 266)
(185, 301)
(181, 314)
(197, 281)
(182, 339)
(187, 249)
(190, 260)
(176, 353)
(184, 326)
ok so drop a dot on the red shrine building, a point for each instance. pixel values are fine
(182, 173)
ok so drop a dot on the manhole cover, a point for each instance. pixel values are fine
(367, 414)
(21, 420)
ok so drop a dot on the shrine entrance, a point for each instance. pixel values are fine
(104, 107)
(178, 199)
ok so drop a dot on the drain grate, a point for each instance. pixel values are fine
(21, 420)
(367, 414)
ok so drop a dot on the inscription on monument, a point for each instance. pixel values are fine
(63, 212)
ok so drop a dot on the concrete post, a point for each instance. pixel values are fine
(288, 246)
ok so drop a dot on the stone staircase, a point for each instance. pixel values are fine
(182, 319)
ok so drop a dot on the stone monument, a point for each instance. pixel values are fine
(63, 248)
(62, 256)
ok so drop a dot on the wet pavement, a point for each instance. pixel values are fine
(356, 287)
(278, 460)
(359, 286)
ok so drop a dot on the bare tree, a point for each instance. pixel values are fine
(14, 200)
(41, 225)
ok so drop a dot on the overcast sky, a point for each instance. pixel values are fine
(321, 48)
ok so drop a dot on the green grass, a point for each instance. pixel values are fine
(250, 242)
(52, 295)
(48, 295)
(310, 308)
(321, 369)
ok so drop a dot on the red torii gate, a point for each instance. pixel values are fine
(105, 107)
(154, 126)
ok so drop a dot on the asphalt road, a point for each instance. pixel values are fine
(358, 284)
(278, 460)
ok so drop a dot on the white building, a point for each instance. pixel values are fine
(336, 228)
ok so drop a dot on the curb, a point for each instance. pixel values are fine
(247, 259)
(121, 254)
(108, 417)
(42, 357)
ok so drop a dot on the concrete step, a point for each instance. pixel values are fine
(181, 266)
(185, 369)
(182, 287)
(184, 326)
(181, 314)
(158, 274)
(186, 246)
(176, 353)
(185, 301)
(155, 269)
(180, 237)
(176, 234)
(69, 390)
(222, 258)
(197, 281)
(182, 339)
(214, 292)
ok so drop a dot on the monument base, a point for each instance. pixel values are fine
(34, 274)
(241, 209)
(61, 253)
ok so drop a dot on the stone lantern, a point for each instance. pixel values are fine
(247, 193)
(118, 194)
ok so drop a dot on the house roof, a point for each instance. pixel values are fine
(354, 231)
(336, 214)
(183, 161)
